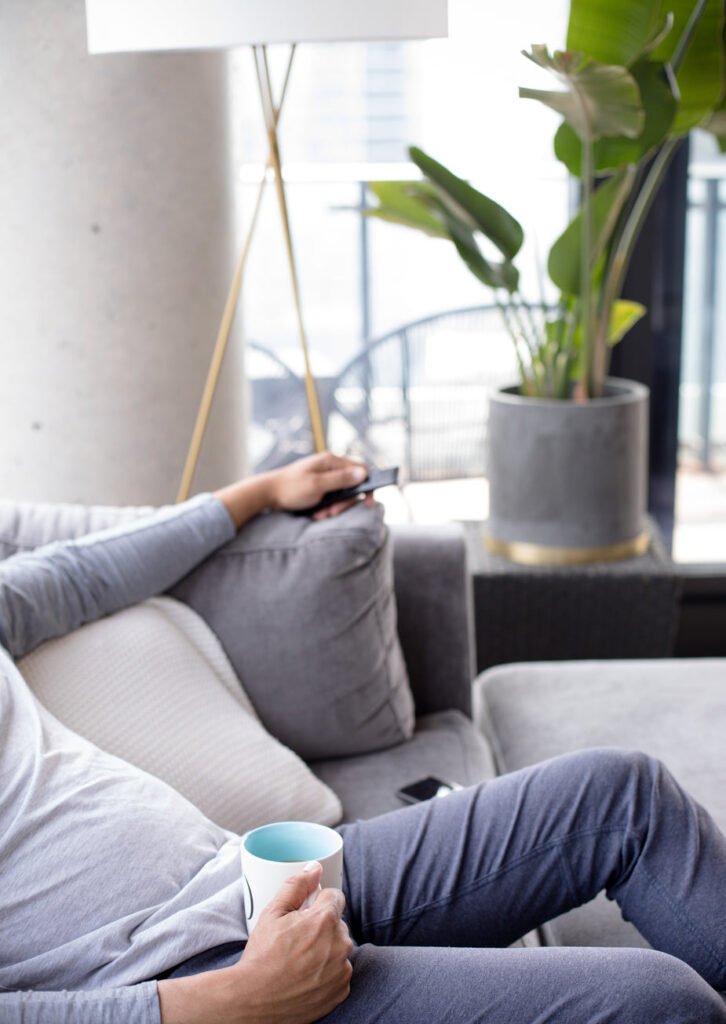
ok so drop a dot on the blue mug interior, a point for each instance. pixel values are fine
(288, 841)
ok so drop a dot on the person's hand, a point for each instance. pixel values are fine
(299, 485)
(294, 969)
(303, 483)
(295, 966)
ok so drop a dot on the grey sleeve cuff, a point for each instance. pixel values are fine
(137, 1004)
(55, 589)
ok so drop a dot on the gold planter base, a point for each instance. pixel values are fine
(543, 554)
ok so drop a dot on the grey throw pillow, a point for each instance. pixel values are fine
(306, 614)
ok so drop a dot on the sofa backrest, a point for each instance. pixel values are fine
(435, 618)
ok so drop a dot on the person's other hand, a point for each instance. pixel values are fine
(294, 969)
(303, 483)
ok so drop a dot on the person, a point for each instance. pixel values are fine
(120, 902)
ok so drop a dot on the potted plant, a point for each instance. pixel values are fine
(568, 445)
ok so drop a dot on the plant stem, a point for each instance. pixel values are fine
(585, 270)
(571, 323)
(623, 250)
(539, 266)
(530, 340)
(685, 41)
(505, 312)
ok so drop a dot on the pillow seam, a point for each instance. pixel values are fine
(342, 534)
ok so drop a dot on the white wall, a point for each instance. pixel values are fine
(115, 239)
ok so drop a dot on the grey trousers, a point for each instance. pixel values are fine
(438, 891)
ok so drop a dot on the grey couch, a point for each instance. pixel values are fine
(414, 578)
(511, 716)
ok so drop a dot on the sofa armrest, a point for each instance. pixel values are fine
(435, 617)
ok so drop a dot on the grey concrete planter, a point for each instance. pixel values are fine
(568, 480)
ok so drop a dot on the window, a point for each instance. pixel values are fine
(700, 533)
(350, 112)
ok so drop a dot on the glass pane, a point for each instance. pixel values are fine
(700, 530)
(350, 113)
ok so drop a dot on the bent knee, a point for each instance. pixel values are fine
(655, 986)
(620, 764)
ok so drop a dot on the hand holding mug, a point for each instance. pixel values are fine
(297, 960)
(294, 969)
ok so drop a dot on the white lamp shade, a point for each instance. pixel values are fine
(131, 25)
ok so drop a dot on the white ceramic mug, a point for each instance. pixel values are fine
(271, 853)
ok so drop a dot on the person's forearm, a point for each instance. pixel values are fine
(247, 498)
(207, 997)
(137, 1004)
(55, 589)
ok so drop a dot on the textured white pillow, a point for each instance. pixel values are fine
(152, 685)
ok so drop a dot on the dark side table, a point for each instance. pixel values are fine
(623, 609)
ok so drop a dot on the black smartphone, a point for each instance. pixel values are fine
(425, 789)
(376, 478)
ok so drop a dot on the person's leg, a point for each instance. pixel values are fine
(413, 985)
(481, 867)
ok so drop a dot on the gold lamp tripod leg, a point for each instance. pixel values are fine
(271, 120)
(271, 113)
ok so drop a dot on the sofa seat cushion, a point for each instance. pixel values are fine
(673, 709)
(445, 744)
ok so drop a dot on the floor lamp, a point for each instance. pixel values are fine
(157, 25)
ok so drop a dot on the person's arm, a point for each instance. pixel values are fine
(55, 589)
(294, 969)
(136, 1004)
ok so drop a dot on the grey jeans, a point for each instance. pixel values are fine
(437, 892)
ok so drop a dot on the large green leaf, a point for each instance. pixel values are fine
(460, 231)
(701, 74)
(463, 235)
(659, 104)
(716, 123)
(623, 315)
(564, 260)
(617, 31)
(404, 202)
(601, 99)
(478, 210)
(419, 205)
(495, 275)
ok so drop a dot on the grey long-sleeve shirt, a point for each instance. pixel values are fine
(108, 876)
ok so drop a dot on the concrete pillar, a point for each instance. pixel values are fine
(115, 247)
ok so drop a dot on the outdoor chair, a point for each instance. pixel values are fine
(416, 398)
